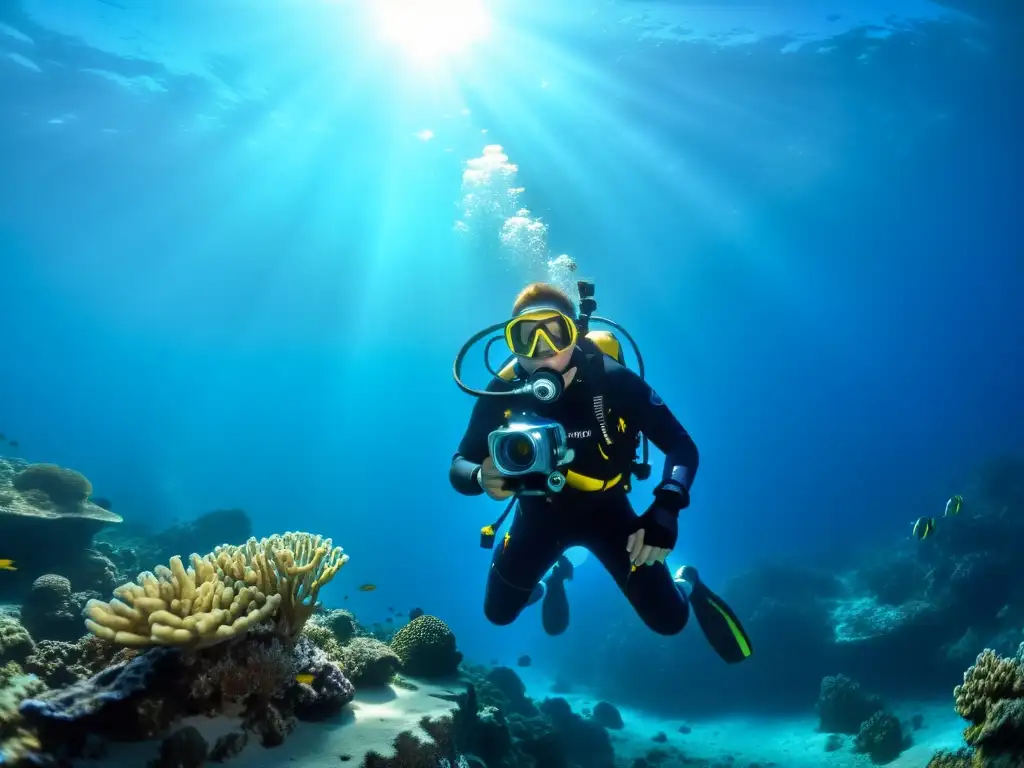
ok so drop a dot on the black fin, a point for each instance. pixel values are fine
(720, 625)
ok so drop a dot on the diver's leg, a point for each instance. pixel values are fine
(521, 558)
(649, 588)
(555, 608)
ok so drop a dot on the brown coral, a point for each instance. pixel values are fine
(61, 485)
(991, 679)
(427, 648)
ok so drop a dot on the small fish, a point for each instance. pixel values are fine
(524, 661)
(953, 506)
(7, 565)
(389, 620)
(391, 609)
(367, 587)
(924, 527)
(305, 678)
(346, 597)
(13, 443)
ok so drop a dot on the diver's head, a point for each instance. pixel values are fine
(542, 332)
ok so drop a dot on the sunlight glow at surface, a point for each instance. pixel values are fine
(428, 30)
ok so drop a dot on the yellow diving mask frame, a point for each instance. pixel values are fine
(540, 332)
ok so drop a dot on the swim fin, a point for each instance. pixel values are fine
(720, 625)
(555, 608)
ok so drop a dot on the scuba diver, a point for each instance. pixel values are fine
(556, 433)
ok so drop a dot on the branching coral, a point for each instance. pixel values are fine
(221, 595)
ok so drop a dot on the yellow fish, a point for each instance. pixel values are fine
(953, 506)
(7, 565)
(924, 527)
(305, 679)
(367, 587)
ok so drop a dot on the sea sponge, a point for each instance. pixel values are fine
(222, 595)
(991, 679)
(61, 485)
(426, 647)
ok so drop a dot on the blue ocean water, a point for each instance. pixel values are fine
(240, 245)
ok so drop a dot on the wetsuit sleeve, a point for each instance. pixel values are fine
(645, 411)
(486, 416)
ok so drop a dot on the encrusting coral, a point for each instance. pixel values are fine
(221, 595)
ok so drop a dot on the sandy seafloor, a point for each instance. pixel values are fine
(376, 717)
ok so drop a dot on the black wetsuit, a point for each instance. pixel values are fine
(545, 526)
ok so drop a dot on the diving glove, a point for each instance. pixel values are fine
(661, 520)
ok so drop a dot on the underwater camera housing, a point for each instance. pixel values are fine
(531, 450)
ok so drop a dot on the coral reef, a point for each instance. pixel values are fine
(607, 716)
(225, 635)
(368, 662)
(15, 642)
(45, 503)
(221, 595)
(426, 648)
(60, 663)
(991, 700)
(881, 737)
(843, 705)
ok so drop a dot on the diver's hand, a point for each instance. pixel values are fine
(492, 481)
(655, 537)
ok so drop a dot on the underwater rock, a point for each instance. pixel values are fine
(46, 521)
(834, 742)
(49, 612)
(341, 623)
(607, 716)
(512, 690)
(132, 700)
(185, 748)
(229, 745)
(843, 705)
(202, 534)
(586, 743)
(881, 738)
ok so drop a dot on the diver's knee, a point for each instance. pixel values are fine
(499, 614)
(670, 622)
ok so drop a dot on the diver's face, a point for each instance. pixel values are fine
(557, 362)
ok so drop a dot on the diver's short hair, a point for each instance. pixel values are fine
(543, 295)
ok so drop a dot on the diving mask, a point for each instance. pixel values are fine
(540, 332)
